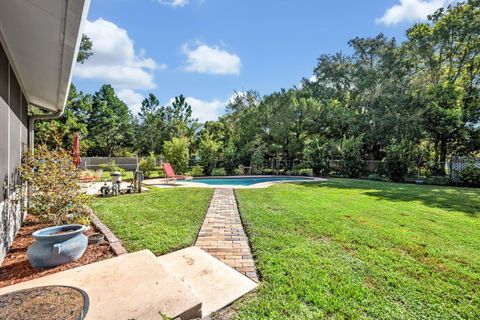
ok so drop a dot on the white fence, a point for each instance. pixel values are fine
(126, 163)
(459, 163)
(93, 163)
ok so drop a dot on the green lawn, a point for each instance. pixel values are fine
(161, 220)
(128, 176)
(359, 249)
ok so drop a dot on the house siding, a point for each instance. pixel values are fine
(13, 142)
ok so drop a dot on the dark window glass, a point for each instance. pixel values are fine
(3, 74)
(14, 94)
(24, 120)
(4, 152)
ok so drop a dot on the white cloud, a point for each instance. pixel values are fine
(411, 10)
(241, 94)
(132, 98)
(212, 60)
(208, 110)
(114, 59)
(174, 3)
(116, 62)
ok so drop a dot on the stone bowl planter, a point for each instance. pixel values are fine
(57, 245)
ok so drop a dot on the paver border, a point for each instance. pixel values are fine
(115, 243)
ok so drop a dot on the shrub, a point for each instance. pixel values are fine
(302, 170)
(148, 165)
(54, 190)
(196, 171)
(257, 161)
(470, 175)
(375, 177)
(176, 152)
(352, 162)
(437, 180)
(240, 171)
(111, 166)
(316, 153)
(159, 172)
(267, 171)
(229, 158)
(208, 152)
(219, 172)
(398, 159)
(307, 172)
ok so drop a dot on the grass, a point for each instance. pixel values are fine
(350, 249)
(128, 176)
(162, 220)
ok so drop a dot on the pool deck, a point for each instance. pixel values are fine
(162, 183)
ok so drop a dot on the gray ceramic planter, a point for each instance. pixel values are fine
(57, 245)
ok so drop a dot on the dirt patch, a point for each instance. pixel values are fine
(16, 268)
(370, 283)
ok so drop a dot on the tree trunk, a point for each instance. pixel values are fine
(443, 157)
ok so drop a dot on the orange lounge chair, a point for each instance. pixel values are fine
(170, 174)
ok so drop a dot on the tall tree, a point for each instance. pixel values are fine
(75, 119)
(85, 50)
(111, 123)
(446, 54)
(152, 126)
(179, 116)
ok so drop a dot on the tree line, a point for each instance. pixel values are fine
(108, 128)
(415, 101)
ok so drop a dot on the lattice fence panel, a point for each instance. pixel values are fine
(459, 163)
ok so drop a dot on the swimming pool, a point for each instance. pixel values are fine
(242, 181)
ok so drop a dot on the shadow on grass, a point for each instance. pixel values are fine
(466, 200)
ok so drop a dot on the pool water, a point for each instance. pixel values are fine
(243, 181)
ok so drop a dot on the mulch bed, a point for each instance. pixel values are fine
(16, 268)
(48, 302)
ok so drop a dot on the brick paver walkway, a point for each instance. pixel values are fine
(222, 234)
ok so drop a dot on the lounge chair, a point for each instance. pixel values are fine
(170, 174)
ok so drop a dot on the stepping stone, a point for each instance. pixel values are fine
(132, 286)
(213, 282)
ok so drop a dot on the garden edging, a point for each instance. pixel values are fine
(115, 243)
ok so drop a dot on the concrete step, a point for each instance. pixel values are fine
(132, 286)
(213, 282)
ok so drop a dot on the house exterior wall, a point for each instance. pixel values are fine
(13, 142)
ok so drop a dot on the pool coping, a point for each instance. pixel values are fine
(260, 185)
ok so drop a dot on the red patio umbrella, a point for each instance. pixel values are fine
(76, 149)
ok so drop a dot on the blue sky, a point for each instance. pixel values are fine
(207, 49)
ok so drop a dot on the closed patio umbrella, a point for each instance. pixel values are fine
(76, 149)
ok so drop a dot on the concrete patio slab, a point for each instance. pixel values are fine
(215, 283)
(133, 286)
(93, 188)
